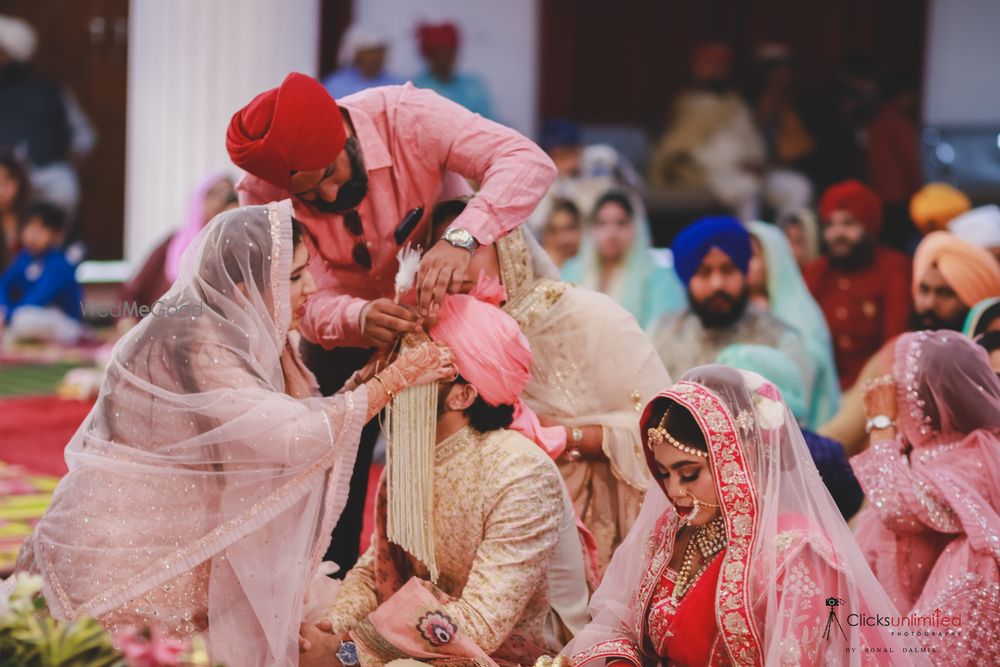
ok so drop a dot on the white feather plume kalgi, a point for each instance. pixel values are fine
(409, 264)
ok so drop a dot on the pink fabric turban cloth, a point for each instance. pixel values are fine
(494, 356)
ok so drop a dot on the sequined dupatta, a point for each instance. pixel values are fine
(932, 530)
(788, 550)
(201, 495)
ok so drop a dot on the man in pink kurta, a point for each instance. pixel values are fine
(416, 145)
(354, 171)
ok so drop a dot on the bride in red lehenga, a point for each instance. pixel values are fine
(740, 556)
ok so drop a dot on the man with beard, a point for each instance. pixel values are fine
(364, 174)
(863, 288)
(949, 277)
(712, 257)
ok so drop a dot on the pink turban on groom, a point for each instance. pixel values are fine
(494, 356)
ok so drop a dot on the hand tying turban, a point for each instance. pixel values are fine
(439, 36)
(294, 127)
(980, 226)
(697, 240)
(935, 205)
(972, 272)
(858, 200)
(493, 355)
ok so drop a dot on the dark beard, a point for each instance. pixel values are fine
(861, 256)
(714, 320)
(930, 320)
(354, 190)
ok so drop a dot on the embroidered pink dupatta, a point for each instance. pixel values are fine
(932, 530)
(200, 495)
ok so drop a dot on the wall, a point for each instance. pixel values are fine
(499, 42)
(961, 85)
(192, 64)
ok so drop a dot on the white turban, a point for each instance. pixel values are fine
(980, 226)
(17, 38)
(359, 38)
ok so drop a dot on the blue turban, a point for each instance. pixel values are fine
(560, 132)
(696, 240)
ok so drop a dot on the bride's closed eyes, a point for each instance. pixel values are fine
(690, 474)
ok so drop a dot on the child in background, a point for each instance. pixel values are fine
(39, 297)
(13, 196)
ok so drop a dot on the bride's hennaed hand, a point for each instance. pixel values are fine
(424, 363)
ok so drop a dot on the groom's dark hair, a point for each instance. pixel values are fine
(482, 416)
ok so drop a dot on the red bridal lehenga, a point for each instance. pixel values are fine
(779, 552)
(200, 495)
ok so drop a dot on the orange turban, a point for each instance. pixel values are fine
(935, 204)
(972, 272)
(858, 199)
(294, 127)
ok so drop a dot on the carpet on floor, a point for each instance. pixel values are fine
(24, 497)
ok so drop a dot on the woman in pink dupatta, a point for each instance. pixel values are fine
(932, 531)
(770, 574)
(203, 486)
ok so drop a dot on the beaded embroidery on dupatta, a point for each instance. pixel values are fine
(740, 507)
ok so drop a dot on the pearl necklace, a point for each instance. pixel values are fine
(709, 540)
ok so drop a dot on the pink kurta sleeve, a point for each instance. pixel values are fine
(514, 173)
(332, 319)
(904, 500)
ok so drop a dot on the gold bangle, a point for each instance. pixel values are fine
(392, 396)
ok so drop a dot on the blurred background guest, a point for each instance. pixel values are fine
(439, 44)
(802, 230)
(935, 205)
(712, 141)
(40, 299)
(713, 259)
(779, 287)
(616, 259)
(984, 317)
(14, 191)
(980, 227)
(361, 63)
(41, 123)
(215, 195)
(862, 287)
(563, 232)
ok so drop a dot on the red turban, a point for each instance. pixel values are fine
(856, 198)
(294, 127)
(715, 54)
(440, 36)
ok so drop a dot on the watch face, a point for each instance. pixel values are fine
(460, 236)
(348, 654)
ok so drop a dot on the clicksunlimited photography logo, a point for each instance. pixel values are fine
(915, 625)
(831, 620)
(134, 309)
